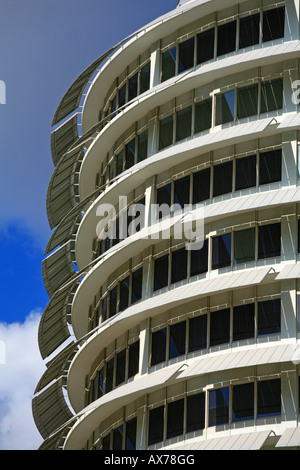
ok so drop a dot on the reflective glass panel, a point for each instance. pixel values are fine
(219, 406)
(245, 173)
(161, 270)
(203, 115)
(195, 412)
(120, 368)
(201, 185)
(158, 348)
(271, 95)
(219, 327)
(270, 164)
(273, 24)
(182, 191)
(269, 241)
(243, 402)
(133, 362)
(268, 398)
(247, 101)
(168, 64)
(221, 251)
(243, 322)
(199, 260)
(129, 154)
(205, 45)
(225, 107)
(118, 438)
(197, 333)
(244, 246)
(137, 281)
(133, 87)
(142, 146)
(145, 78)
(175, 418)
(249, 30)
(269, 317)
(156, 425)
(226, 38)
(130, 440)
(177, 340)
(222, 178)
(183, 123)
(165, 132)
(179, 265)
(186, 55)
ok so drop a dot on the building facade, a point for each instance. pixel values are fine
(154, 341)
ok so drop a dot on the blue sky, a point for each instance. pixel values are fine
(44, 46)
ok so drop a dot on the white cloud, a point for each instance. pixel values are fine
(19, 375)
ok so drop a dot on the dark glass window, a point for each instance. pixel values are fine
(249, 30)
(201, 185)
(243, 402)
(195, 412)
(104, 309)
(145, 78)
(130, 440)
(243, 322)
(270, 166)
(226, 38)
(120, 163)
(205, 45)
(106, 442)
(124, 294)
(182, 191)
(168, 64)
(175, 418)
(179, 265)
(100, 383)
(113, 301)
(245, 175)
(137, 281)
(271, 95)
(142, 153)
(129, 154)
(247, 101)
(269, 241)
(120, 368)
(199, 260)
(109, 375)
(219, 327)
(269, 317)
(122, 95)
(166, 132)
(158, 349)
(222, 179)
(118, 438)
(198, 333)
(273, 24)
(183, 123)
(133, 360)
(161, 270)
(219, 406)
(221, 251)
(203, 115)
(163, 199)
(177, 339)
(225, 107)
(133, 87)
(244, 246)
(156, 425)
(268, 398)
(186, 55)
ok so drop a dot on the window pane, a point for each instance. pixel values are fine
(113, 302)
(119, 163)
(245, 172)
(133, 361)
(186, 55)
(165, 132)
(104, 309)
(109, 375)
(219, 406)
(163, 195)
(137, 283)
(168, 64)
(106, 442)
(244, 246)
(118, 438)
(270, 166)
(145, 78)
(219, 327)
(226, 38)
(221, 251)
(205, 45)
(203, 115)
(243, 402)
(249, 31)
(124, 294)
(182, 191)
(183, 123)
(100, 383)
(122, 95)
(269, 241)
(161, 270)
(133, 87)
(179, 265)
(198, 333)
(195, 412)
(273, 24)
(269, 317)
(158, 349)
(225, 107)
(130, 441)
(199, 260)
(156, 425)
(268, 398)
(142, 153)
(222, 179)
(130, 154)
(247, 101)
(201, 185)
(243, 322)
(175, 418)
(271, 95)
(120, 369)
(177, 339)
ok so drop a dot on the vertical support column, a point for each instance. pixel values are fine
(144, 346)
(155, 64)
(290, 75)
(289, 395)
(292, 20)
(288, 309)
(289, 158)
(141, 431)
(289, 233)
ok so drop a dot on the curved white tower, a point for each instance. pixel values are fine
(161, 345)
